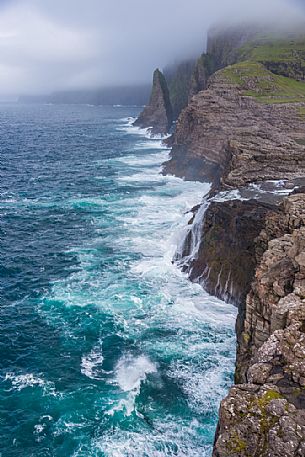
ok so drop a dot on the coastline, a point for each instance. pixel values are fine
(109, 312)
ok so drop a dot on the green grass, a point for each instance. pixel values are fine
(256, 81)
(270, 48)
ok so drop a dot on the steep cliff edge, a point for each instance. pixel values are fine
(178, 77)
(203, 69)
(243, 130)
(226, 255)
(264, 413)
(157, 115)
(247, 126)
(225, 42)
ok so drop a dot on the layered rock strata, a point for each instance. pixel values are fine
(264, 415)
(157, 115)
(231, 139)
(244, 130)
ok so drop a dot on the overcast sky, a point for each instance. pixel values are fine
(49, 45)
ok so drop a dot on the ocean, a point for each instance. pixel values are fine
(106, 348)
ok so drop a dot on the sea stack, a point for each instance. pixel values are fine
(157, 115)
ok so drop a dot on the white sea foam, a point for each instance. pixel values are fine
(22, 381)
(128, 127)
(203, 386)
(131, 371)
(227, 195)
(143, 291)
(91, 364)
(165, 439)
(145, 160)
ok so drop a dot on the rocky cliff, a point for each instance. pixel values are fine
(252, 254)
(247, 126)
(264, 413)
(179, 77)
(228, 232)
(224, 43)
(244, 131)
(203, 69)
(157, 115)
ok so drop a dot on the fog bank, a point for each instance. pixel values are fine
(71, 44)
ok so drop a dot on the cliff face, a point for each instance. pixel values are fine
(246, 127)
(224, 43)
(180, 82)
(157, 115)
(264, 413)
(239, 130)
(225, 259)
(178, 79)
(204, 68)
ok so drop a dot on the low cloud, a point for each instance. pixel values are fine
(67, 44)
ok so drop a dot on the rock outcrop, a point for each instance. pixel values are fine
(264, 413)
(157, 115)
(226, 255)
(244, 126)
(231, 139)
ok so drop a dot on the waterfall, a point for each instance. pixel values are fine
(188, 248)
(215, 278)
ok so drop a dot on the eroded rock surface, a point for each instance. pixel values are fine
(157, 115)
(231, 139)
(225, 260)
(264, 413)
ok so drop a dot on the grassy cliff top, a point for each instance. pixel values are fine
(255, 80)
(289, 49)
(267, 63)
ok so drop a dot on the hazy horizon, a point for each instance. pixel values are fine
(67, 45)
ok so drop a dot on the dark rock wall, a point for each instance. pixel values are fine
(249, 253)
(226, 257)
(204, 68)
(224, 42)
(264, 415)
(179, 79)
(294, 69)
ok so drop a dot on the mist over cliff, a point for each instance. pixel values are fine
(69, 45)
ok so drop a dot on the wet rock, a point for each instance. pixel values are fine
(226, 257)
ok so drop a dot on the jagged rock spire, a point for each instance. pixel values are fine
(157, 115)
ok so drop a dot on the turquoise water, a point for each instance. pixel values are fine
(106, 348)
